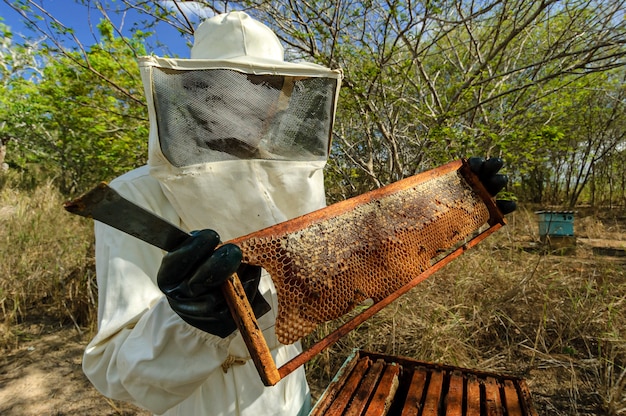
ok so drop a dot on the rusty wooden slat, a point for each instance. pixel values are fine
(454, 398)
(511, 399)
(473, 397)
(342, 400)
(413, 402)
(363, 394)
(385, 392)
(251, 333)
(334, 388)
(433, 394)
(525, 397)
(413, 388)
(493, 404)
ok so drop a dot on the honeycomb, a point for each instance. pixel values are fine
(327, 268)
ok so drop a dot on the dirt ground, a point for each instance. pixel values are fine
(44, 377)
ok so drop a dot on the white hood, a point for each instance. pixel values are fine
(233, 197)
(236, 197)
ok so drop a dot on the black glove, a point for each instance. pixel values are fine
(487, 171)
(191, 276)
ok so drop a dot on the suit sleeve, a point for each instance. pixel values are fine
(143, 352)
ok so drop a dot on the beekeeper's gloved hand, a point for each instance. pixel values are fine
(191, 276)
(487, 171)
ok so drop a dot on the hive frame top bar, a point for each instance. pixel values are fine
(342, 207)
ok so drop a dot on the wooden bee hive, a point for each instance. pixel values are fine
(372, 384)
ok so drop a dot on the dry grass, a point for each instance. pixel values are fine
(556, 320)
(46, 272)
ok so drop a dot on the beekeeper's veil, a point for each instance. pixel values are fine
(238, 137)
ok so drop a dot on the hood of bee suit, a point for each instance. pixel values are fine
(239, 137)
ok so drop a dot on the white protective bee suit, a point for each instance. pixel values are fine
(238, 141)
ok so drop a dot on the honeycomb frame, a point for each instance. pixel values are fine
(326, 263)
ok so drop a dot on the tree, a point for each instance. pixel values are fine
(17, 64)
(596, 124)
(428, 81)
(71, 125)
(433, 80)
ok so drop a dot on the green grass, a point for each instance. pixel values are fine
(558, 321)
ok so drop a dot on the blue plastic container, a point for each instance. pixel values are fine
(556, 223)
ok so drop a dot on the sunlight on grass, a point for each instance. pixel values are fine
(46, 262)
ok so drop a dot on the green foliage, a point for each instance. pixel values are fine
(425, 82)
(75, 121)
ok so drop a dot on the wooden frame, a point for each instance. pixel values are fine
(240, 308)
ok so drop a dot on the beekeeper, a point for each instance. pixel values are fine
(238, 141)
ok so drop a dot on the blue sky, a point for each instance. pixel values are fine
(81, 20)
